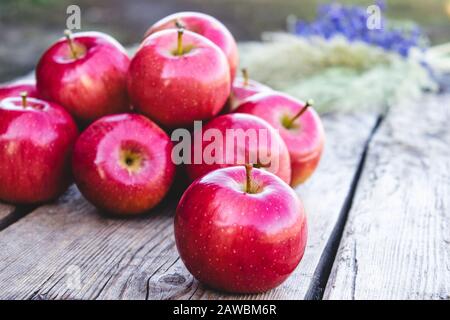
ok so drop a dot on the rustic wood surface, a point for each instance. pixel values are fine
(396, 243)
(43, 254)
(392, 205)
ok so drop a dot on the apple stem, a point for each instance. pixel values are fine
(24, 95)
(260, 165)
(179, 24)
(308, 104)
(245, 76)
(248, 183)
(180, 39)
(68, 35)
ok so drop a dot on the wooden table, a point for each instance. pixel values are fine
(379, 226)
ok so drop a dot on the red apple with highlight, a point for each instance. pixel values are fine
(236, 139)
(299, 126)
(243, 88)
(36, 143)
(240, 230)
(122, 164)
(207, 26)
(177, 77)
(15, 89)
(86, 74)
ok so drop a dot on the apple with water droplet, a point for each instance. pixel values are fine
(177, 77)
(240, 230)
(36, 143)
(207, 26)
(299, 126)
(122, 164)
(243, 88)
(15, 89)
(86, 74)
(235, 139)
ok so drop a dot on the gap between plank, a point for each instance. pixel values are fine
(323, 269)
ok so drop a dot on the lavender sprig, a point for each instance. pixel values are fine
(350, 21)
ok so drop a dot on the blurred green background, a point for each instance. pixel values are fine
(28, 27)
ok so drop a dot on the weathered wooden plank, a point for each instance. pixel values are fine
(42, 254)
(396, 244)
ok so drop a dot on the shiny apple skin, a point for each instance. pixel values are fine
(305, 142)
(90, 86)
(176, 90)
(15, 89)
(36, 145)
(100, 173)
(236, 241)
(207, 26)
(280, 158)
(240, 91)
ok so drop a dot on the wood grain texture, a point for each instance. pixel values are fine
(42, 255)
(396, 243)
(43, 252)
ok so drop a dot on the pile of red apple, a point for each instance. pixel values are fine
(239, 227)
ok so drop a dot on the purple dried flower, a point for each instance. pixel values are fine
(351, 22)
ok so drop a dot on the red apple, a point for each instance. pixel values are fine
(236, 139)
(17, 88)
(36, 142)
(122, 164)
(86, 74)
(177, 77)
(207, 26)
(299, 126)
(243, 88)
(240, 232)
